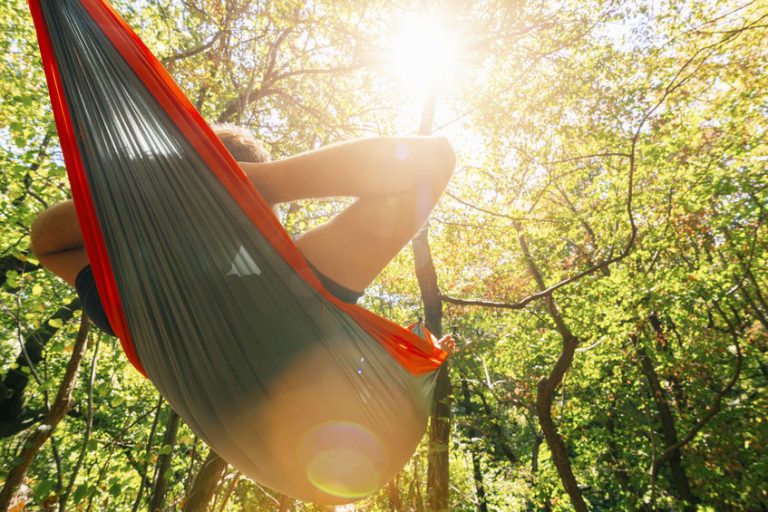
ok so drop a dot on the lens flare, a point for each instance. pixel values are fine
(344, 459)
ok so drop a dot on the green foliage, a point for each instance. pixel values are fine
(560, 115)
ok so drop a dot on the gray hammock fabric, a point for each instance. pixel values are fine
(265, 369)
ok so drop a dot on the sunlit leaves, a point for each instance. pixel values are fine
(553, 105)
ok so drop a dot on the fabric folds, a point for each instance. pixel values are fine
(313, 397)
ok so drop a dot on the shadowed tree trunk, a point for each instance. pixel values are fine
(440, 421)
(393, 491)
(548, 385)
(164, 463)
(13, 417)
(59, 409)
(668, 429)
(500, 437)
(206, 482)
(474, 436)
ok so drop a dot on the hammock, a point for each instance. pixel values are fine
(313, 397)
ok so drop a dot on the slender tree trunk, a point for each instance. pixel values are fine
(64, 496)
(231, 488)
(440, 421)
(474, 434)
(59, 409)
(537, 439)
(501, 440)
(669, 431)
(150, 443)
(544, 399)
(548, 385)
(393, 491)
(206, 482)
(157, 502)
(13, 416)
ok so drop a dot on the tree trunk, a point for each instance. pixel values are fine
(548, 385)
(157, 501)
(13, 417)
(150, 443)
(544, 399)
(440, 421)
(500, 437)
(59, 409)
(206, 482)
(231, 488)
(537, 439)
(669, 431)
(393, 491)
(474, 435)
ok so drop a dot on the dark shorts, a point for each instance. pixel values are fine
(91, 302)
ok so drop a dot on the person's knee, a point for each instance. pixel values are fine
(37, 237)
(445, 158)
(439, 160)
(55, 229)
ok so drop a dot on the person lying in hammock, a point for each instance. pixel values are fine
(322, 424)
(397, 182)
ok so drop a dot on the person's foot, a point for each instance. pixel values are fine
(447, 343)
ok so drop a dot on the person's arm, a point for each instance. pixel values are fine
(57, 241)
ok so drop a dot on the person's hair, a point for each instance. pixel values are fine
(241, 143)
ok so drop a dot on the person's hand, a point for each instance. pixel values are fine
(447, 343)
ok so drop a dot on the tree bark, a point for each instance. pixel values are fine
(474, 434)
(668, 430)
(548, 385)
(205, 484)
(150, 443)
(393, 491)
(440, 421)
(13, 417)
(544, 398)
(501, 440)
(59, 409)
(156, 503)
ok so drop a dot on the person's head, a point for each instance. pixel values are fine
(243, 146)
(241, 143)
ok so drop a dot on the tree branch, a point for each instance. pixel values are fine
(60, 406)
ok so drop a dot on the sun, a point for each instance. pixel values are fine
(424, 54)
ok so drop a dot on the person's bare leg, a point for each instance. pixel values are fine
(398, 181)
(357, 244)
(57, 241)
(377, 167)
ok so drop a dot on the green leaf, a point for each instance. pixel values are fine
(115, 490)
(80, 493)
(43, 489)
